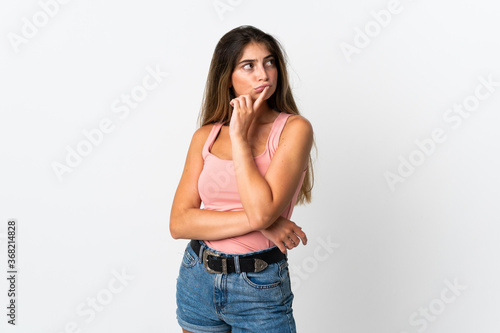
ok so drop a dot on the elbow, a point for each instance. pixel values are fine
(179, 225)
(174, 232)
(174, 226)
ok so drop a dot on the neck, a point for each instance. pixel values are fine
(264, 113)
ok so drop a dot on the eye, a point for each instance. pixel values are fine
(270, 62)
(248, 66)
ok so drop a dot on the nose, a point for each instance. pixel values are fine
(261, 73)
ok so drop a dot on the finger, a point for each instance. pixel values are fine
(260, 99)
(289, 244)
(285, 242)
(248, 102)
(236, 103)
(302, 235)
(295, 240)
(282, 247)
(243, 100)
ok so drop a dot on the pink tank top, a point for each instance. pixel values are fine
(218, 189)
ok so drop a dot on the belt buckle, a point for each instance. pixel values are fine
(207, 253)
(260, 265)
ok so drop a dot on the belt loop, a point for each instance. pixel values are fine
(202, 248)
(237, 265)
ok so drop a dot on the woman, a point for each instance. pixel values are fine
(249, 163)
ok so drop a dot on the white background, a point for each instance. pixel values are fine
(392, 251)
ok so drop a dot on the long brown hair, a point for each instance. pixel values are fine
(218, 94)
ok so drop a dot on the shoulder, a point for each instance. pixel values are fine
(202, 133)
(198, 140)
(297, 125)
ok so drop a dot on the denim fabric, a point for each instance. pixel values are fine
(244, 302)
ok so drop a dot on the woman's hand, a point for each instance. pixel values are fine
(285, 234)
(244, 113)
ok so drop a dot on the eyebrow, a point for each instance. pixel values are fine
(254, 60)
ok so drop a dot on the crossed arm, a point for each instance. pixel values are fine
(263, 198)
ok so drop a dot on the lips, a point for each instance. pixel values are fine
(262, 87)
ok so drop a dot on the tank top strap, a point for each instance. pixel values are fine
(274, 136)
(211, 139)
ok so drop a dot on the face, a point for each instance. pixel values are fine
(254, 70)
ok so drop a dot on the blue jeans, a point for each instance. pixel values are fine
(236, 302)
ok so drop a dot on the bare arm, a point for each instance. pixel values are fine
(187, 220)
(264, 198)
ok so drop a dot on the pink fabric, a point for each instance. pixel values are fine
(218, 189)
